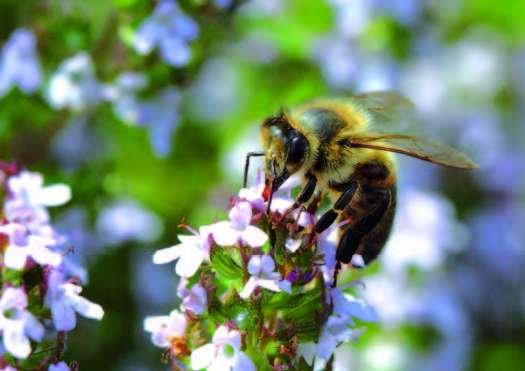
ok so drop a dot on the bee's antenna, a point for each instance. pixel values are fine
(247, 165)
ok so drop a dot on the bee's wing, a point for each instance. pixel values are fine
(418, 147)
(389, 114)
(387, 111)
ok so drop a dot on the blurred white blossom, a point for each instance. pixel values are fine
(74, 84)
(238, 229)
(19, 65)
(126, 220)
(169, 29)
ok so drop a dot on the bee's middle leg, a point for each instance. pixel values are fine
(328, 218)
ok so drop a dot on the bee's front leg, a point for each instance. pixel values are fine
(304, 196)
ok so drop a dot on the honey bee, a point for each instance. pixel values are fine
(344, 147)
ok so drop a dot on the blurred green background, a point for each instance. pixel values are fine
(146, 109)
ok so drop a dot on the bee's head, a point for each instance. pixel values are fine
(286, 149)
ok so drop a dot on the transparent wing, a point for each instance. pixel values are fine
(418, 147)
(387, 111)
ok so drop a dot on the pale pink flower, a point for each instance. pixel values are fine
(165, 328)
(191, 252)
(222, 354)
(263, 274)
(238, 229)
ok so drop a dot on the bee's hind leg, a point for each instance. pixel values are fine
(352, 235)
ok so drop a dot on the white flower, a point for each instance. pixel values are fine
(17, 324)
(28, 197)
(262, 270)
(191, 252)
(238, 228)
(165, 328)
(254, 194)
(171, 30)
(27, 200)
(63, 298)
(127, 220)
(60, 366)
(223, 354)
(19, 64)
(194, 299)
(74, 84)
(22, 245)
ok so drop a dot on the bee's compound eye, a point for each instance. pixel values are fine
(297, 146)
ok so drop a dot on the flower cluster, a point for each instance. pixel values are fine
(252, 299)
(38, 291)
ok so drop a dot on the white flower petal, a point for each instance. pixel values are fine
(15, 339)
(203, 356)
(54, 195)
(168, 254)
(221, 363)
(189, 263)
(254, 236)
(43, 256)
(293, 245)
(249, 287)
(86, 308)
(13, 298)
(15, 257)
(269, 284)
(225, 235)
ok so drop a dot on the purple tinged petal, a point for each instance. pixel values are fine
(240, 215)
(60, 366)
(175, 51)
(255, 265)
(64, 317)
(146, 36)
(267, 265)
(243, 363)
(32, 327)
